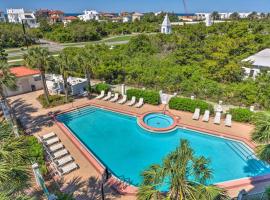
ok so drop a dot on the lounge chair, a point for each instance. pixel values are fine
(217, 118)
(219, 108)
(59, 154)
(196, 114)
(63, 161)
(132, 102)
(68, 168)
(51, 141)
(102, 94)
(109, 95)
(140, 103)
(47, 136)
(115, 98)
(56, 147)
(123, 100)
(228, 120)
(206, 116)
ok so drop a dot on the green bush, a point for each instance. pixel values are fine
(54, 100)
(187, 104)
(241, 114)
(149, 96)
(101, 86)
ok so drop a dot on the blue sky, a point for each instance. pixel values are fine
(140, 5)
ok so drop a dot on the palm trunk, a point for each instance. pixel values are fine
(65, 88)
(45, 89)
(88, 83)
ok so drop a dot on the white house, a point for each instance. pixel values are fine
(2, 17)
(89, 15)
(166, 27)
(208, 20)
(260, 61)
(27, 80)
(20, 15)
(136, 16)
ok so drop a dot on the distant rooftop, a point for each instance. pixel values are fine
(261, 58)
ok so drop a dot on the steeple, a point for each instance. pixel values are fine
(166, 26)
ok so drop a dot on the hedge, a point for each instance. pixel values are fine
(54, 100)
(149, 96)
(187, 104)
(101, 86)
(241, 114)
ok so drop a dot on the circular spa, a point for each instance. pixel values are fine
(158, 122)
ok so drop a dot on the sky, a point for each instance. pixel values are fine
(75, 6)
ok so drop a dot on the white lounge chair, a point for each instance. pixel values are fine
(115, 98)
(48, 135)
(123, 100)
(51, 141)
(109, 95)
(68, 168)
(59, 154)
(206, 116)
(217, 118)
(63, 161)
(228, 120)
(56, 147)
(132, 102)
(102, 94)
(140, 103)
(196, 114)
(219, 108)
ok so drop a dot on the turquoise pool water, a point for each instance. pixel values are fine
(158, 120)
(126, 149)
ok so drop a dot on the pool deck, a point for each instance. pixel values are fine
(86, 179)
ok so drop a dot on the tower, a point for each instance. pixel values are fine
(166, 27)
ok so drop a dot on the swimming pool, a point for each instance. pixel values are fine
(127, 150)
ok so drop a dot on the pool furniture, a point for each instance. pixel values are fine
(64, 160)
(51, 141)
(123, 100)
(115, 98)
(109, 95)
(217, 118)
(132, 102)
(68, 168)
(102, 94)
(140, 103)
(47, 136)
(228, 120)
(59, 154)
(196, 114)
(206, 116)
(56, 147)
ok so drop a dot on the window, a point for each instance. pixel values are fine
(37, 78)
(251, 74)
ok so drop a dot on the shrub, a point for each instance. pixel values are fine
(150, 97)
(54, 100)
(101, 86)
(241, 114)
(189, 105)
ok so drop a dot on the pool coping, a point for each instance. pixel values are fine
(128, 189)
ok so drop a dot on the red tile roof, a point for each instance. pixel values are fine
(23, 71)
(56, 12)
(70, 18)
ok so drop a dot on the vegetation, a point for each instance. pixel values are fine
(241, 114)
(150, 97)
(54, 100)
(7, 79)
(187, 104)
(175, 170)
(101, 86)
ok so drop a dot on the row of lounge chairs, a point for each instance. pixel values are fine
(217, 119)
(115, 98)
(59, 155)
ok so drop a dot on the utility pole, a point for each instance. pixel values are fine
(24, 33)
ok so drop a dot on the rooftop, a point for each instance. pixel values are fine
(166, 22)
(22, 71)
(261, 58)
(70, 18)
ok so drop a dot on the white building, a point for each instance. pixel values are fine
(20, 15)
(126, 19)
(89, 15)
(208, 20)
(27, 80)
(166, 27)
(2, 17)
(136, 16)
(259, 61)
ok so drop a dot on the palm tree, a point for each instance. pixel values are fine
(39, 58)
(7, 79)
(235, 15)
(215, 15)
(174, 171)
